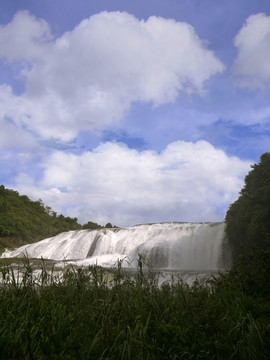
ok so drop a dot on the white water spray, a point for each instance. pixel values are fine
(172, 246)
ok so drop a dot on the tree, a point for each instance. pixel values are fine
(26, 221)
(248, 218)
(91, 225)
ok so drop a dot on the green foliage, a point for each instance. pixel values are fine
(91, 225)
(248, 218)
(94, 313)
(250, 272)
(25, 221)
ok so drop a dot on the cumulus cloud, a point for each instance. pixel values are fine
(252, 66)
(25, 37)
(13, 132)
(88, 77)
(185, 182)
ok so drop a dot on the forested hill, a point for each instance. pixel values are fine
(23, 221)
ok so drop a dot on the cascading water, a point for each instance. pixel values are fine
(169, 246)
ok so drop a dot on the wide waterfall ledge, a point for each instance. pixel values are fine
(168, 246)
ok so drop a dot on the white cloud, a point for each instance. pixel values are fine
(252, 66)
(185, 182)
(14, 133)
(88, 77)
(25, 37)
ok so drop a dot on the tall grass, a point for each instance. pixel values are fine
(94, 313)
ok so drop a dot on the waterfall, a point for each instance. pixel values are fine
(172, 246)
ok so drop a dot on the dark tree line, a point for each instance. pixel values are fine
(248, 218)
(248, 232)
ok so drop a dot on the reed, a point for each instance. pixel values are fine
(97, 313)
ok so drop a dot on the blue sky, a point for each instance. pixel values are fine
(133, 111)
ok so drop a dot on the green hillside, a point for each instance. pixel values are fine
(23, 221)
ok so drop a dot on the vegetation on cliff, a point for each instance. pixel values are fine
(248, 218)
(248, 231)
(23, 221)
